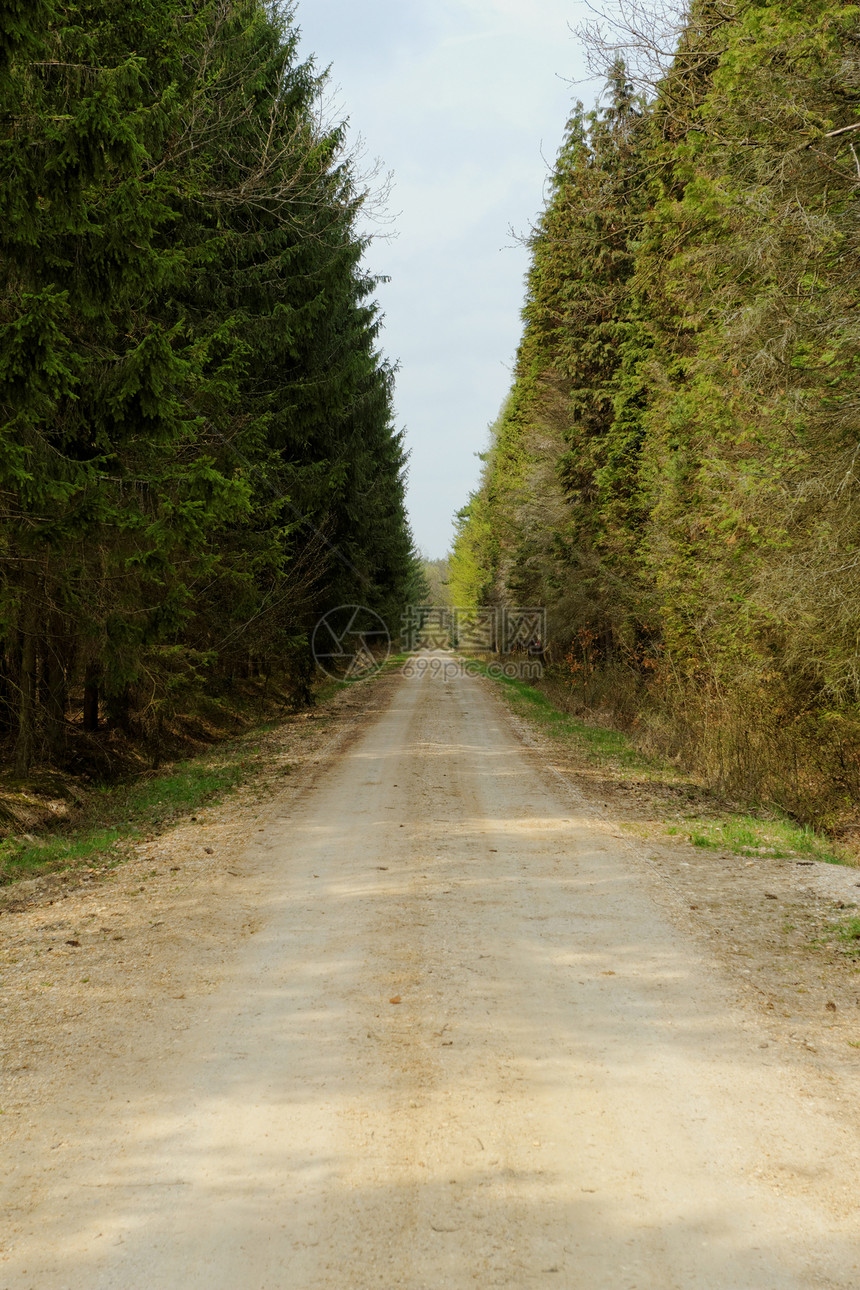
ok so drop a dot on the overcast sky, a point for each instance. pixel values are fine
(465, 101)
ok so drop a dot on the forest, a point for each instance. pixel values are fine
(198, 455)
(675, 474)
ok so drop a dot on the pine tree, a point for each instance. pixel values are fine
(196, 425)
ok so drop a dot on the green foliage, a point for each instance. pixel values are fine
(558, 447)
(197, 449)
(675, 474)
(437, 590)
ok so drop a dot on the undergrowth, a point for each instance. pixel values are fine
(117, 813)
(759, 833)
(106, 817)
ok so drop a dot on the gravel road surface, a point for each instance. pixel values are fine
(467, 1044)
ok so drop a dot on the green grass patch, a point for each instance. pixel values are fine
(137, 808)
(121, 812)
(26, 859)
(849, 935)
(749, 835)
(327, 690)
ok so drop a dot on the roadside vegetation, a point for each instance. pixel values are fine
(56, 822)
(674, 476)
(714, 823)
(112, 815)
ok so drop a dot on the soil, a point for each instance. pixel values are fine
(429, 1004)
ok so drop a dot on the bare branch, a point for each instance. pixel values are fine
(831, 134)
(644, 33)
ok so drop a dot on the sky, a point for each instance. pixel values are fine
(464, 102)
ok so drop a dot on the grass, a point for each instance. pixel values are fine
(766, 834)
(122, 812)
(328, 689)
(750, 835)
(114, 815)
(849, 934)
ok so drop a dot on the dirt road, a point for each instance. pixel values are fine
(468, 1044)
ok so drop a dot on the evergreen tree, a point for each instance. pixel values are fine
(196, 425)
(676, 474)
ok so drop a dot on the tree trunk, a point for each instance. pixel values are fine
(91, 697)
(302, 668)
(119, 709)
(8, 669)
(54, 697)
(25, 747)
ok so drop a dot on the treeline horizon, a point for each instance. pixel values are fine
(675, 473)
(199, 456)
